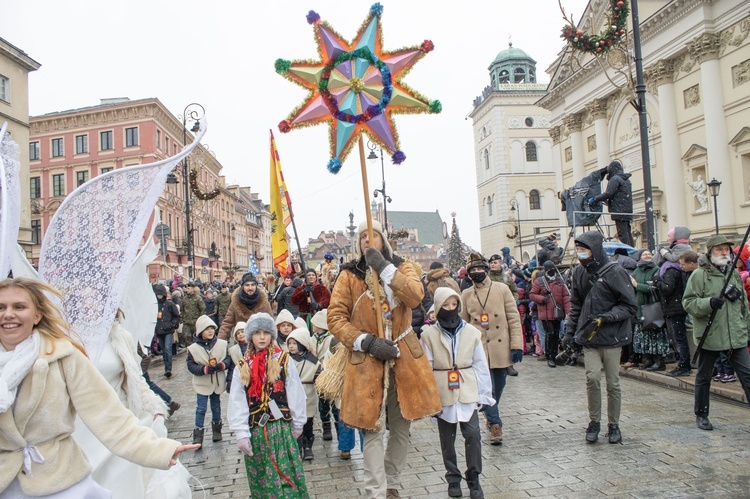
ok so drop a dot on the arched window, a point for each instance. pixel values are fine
(534, 201)
(532, 77)
(489, 206)
(504, 76)
(520, 75)
(487, 159)
(531, 151)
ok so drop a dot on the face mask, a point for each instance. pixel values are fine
(584, 255)
(586, 258)
(478, 276)
(448, 318)
(551, 276)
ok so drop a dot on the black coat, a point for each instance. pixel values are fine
(284, 298)
(168, 317)
(613, 300)
(671, 286)
(618, 196)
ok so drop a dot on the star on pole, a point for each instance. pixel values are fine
(355, 87)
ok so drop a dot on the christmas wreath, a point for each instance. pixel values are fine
(602, 42)
(203, 196)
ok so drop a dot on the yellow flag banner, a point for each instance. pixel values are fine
(281, 214)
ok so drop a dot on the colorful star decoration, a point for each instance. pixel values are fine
(356, 87)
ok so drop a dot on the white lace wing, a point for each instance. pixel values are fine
(10, 199)
(139, 301)
(92, 240)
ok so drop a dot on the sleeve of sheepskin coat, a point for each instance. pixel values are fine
(116, 427)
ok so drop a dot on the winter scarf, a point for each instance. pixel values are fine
(14, 366)
(249, 300)
(449, 319)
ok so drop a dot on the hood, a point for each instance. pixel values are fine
(668, 265)
(299, 322)
(159, 289)
(679, 235)
(716, 240)
(547, 244)
(627, 263)
(435, 274)
(505, 250)
(745, 253)
(240, 325)
(320, 319)
(594, 240)
(301, 336)
(203, 323)
(442, 294)
(296, 282)
(284, 316)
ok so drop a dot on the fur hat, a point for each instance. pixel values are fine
(301, 336)
(240, 326)
(249, 277)
(284, 316)
(320, 319)
(376, 227)
(260, 322)
(204, 322)
(476, 260)
(299, 323)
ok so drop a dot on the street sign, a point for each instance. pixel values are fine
(204, 262)
(163, 231)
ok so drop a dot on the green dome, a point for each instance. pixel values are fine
(512, 54)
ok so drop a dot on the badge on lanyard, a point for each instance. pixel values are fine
(386, 309)
(453, 381)
(212, 361)
(484, 320)
(158, 315)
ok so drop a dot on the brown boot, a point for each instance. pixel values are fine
(497, 434)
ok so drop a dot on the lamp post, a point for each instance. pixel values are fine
(713, 187)
(351, 229)
(386, 198)
(232, 228)
(189, 115)
(514, 207)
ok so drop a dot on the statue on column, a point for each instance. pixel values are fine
(700, 191)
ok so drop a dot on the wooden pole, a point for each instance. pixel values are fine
(370, 236)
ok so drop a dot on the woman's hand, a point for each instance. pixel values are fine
(180, 449)
(632, 279)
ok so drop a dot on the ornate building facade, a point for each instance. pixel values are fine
(516, 182)
(696, 57)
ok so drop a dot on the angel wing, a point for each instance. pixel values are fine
(92, 240)
(10, 199)
(138, 300)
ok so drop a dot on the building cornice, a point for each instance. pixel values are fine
(18, 56)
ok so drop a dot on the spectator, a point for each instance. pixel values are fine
(311, 297)
(552, 299)
(652, 344)
(284, 297)
(167, 322)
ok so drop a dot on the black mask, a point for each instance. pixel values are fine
(449, 319)
(477, 276)
(551, 275)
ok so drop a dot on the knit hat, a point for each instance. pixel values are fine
(299, 322)
(476, 260)
(311, 271)
(320, 319)
(240, 326)
(376, 227)
(249, 277)
(301, 336)
(549, 265)
(436, 265)
(204, 322)
(260, 322)
(284, 316)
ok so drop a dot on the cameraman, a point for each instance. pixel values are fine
(729, 330)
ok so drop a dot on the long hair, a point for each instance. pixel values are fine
(52, 325)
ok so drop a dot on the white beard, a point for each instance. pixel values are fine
(720, 261)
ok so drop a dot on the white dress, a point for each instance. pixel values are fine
(118, 365)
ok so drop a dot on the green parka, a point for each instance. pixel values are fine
(642, 274)
(193, 307)
(732, 322)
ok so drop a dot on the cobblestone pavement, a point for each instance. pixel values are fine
(544, 453)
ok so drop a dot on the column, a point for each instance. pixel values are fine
(598, 111)
(574, 122)
(557, 161)
(661, 75)
(705, 50)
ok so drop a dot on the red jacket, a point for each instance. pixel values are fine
(320, 293)
(560, 294)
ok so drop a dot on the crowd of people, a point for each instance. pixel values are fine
(410, 344)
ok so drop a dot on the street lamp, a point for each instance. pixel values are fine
(713, 187)
(232, 228)
(386, 198)
(351, 229)
(189, 115)
(514, 207)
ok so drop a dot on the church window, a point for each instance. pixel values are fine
(520, 75)
(534, 200)
(504, 76)
(531, 151)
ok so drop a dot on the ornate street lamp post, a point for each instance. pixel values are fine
(189, 115)
(713, 187)
(386, 198)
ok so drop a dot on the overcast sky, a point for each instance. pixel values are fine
(221, 54)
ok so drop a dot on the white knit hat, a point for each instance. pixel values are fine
(204, 322)
(376, 227)
(299, 322)
(301, 336)
(284, 316)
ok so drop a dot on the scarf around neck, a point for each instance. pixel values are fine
(14, 366)
(249, 300)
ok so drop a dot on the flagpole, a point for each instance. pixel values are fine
(296, 237)
(371, 238)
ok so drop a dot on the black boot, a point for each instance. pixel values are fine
(327, 435)
(648, 361)
(216, 431)
(659, 365)
(198, 436)
(301, 445)
(454, 488)
(472, 480)
(307, 453)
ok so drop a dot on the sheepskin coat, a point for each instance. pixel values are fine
(238, 312)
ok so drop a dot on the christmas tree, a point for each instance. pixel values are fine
(456, 257)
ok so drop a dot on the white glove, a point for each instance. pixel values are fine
(296, 432)
(244, 446)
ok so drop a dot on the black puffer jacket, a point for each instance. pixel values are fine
(611, 298)
(548, 251)
(671, 287)
(168, 317)
(284, 298)
(619, 194)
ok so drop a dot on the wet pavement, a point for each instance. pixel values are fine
(544, 454)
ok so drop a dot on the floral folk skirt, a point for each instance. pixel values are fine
(650, 342)
(274, 471)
